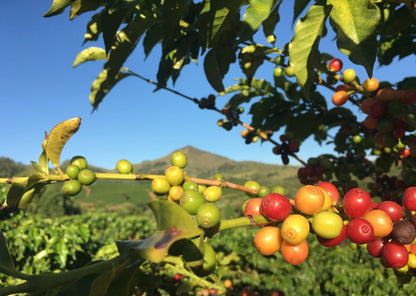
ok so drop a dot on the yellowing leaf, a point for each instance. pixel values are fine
(90, 54)
(58, 137)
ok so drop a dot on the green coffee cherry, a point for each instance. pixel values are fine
(71, 187)
(86, 177)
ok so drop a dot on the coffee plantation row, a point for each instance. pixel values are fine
(43, 245)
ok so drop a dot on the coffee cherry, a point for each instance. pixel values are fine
(360, 231)
(72, 171)
(79, 161)
(179, 159)
(348, 75)
(86, 177)
(275, 207)
(160, 186)
(124, 166)
(71, 187)
(191, 200)
(340, 98)
(327, 224)
(174, 175)
(252, 185)
(335, 65)
(370, 85)
(212, 193)
(208, 215)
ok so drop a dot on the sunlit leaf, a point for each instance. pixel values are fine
(303, 49)
(80, 6)
(94, 28)
(257, 11)
(212, 72)
(58, 137)
(250, 58)
(355, 22)
(216, 16)
(126, 42)
(43, 159)
(90, 54)
(102, 86)
(58, 6)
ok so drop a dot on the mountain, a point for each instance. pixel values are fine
(204, 164)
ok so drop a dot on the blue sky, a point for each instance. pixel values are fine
(38, 89)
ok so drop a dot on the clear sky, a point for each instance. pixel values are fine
(38, 89)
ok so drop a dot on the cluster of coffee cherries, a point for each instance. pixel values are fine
(387, 229)
(198, 200)
(79, 175)
(286, 148)
(389, 112)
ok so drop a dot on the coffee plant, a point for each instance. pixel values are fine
(187, 219)
(370, 123)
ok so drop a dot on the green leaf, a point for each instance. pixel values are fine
(90, 54)
(94, 28)
(153, 36)
(212, 72)
(58, 6)
(14, 194)
(216, 17)
(355, 22)
(303, 49)
(102, 86)
(169, 214)
(6, 260)
(269, 24)
(126, 42)
(250, 58)
(58, 137)
(43, 159)
(173, 223)
(80, 6)
(300, 6)
(257, 11)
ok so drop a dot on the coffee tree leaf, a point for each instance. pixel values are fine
(269, 24)
(251, 58)
(153, 36)
(154, 248)
(58, 137)
(14, 194)
(300, 6)
(212, 72)
(43, 159)
(90, 54)
(257, 11)
(407, 83)
(80, 6)
(121, 284)
(216, 17)
(126, 41)
(355, 23)
(58, 6)
(6, 261)
(303, 48)
(102, 86)
(169, 214)
(173, 223)
(94, 28)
